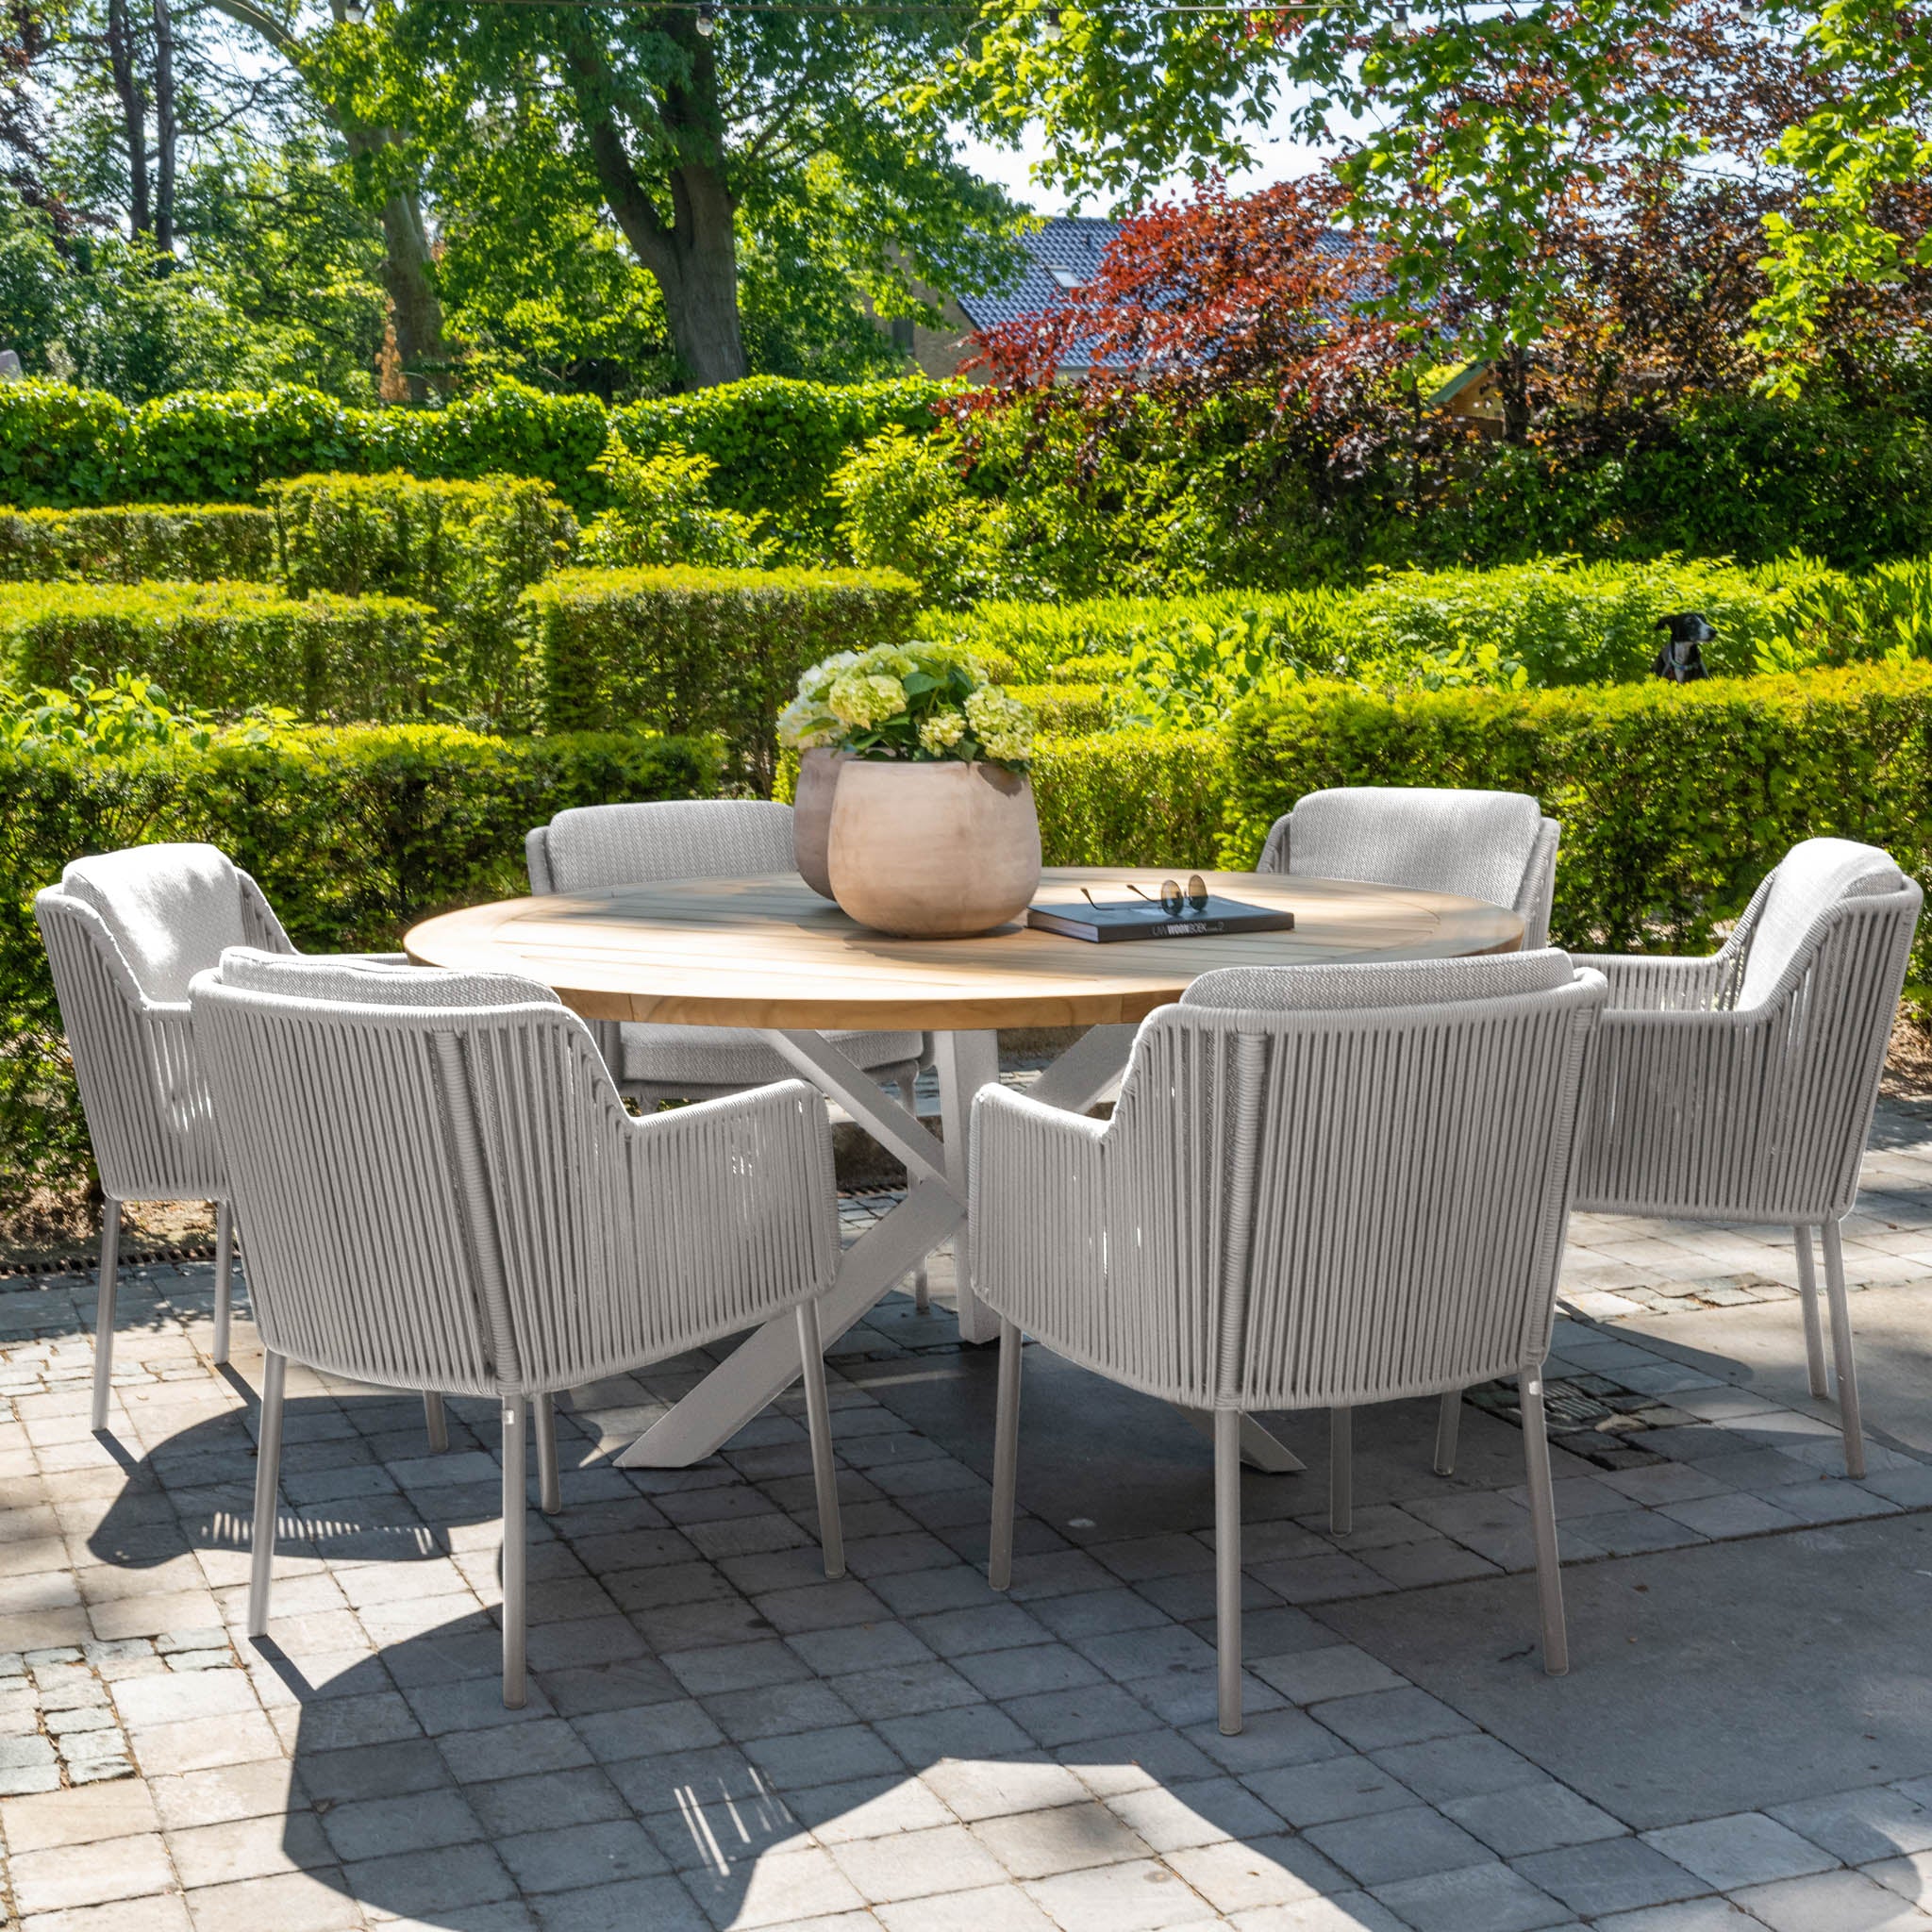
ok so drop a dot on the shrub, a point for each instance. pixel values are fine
(776, 441)
(1065, 709)
(1132, 797)
(468, 550)
(355, 835)
(227, 647)
(1674, 801)
(189, 543)
(686, 650)
(661, 513)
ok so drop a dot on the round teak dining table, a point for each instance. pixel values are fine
(766, 951)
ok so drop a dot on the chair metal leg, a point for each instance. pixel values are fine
(549, 1491)
(1448, 1420)
(922, 1289)
(1005, 1460)
(516, 1425)
(225, 1275)
(436, 1421)
(104, 1313)
(1341, 1471)
(1808, 1295)
(818, 1413)
(1542, 1522)
(268, 1466)
(1841, 1356)
(1227, 1567)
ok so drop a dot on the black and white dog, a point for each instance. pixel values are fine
(1682, 658)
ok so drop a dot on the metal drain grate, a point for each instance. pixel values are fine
(1590, 1416)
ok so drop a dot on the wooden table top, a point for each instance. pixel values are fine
(767, 951)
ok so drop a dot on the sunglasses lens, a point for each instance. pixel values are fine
(1197, 892)
(1170, 900)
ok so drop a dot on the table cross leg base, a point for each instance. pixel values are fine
(765, 1364)
(1260, 1449)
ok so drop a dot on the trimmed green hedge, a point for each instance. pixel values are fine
(188, 543)
(1130, 797)
(715, 651)
(776, 441)
(1674, 801)
(1066, 709)
(227, 647)
(468, 550)
(355, 834)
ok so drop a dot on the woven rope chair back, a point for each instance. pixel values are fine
(594, 846)
(124, 933)
(1766, 1119)
(1328, 1186)
(441, 1189)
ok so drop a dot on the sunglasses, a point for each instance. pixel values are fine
(1174, 899)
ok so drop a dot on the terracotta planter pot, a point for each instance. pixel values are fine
(811, 816)
(933, 851)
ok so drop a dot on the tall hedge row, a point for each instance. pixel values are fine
(686, 650)
(1674, 800)
(776, 441)
(355, 835)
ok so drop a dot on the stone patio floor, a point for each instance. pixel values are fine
(718, 1737)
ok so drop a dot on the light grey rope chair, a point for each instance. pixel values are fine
(1740, 1087)
(126, 932)
(443, 1191)
(590, 847)
(1322, 1186)
(1492, 845)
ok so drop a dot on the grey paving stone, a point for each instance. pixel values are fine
(1833, 1899)
(374, 1827)
(1267, 1738)
(1731, 1514)
(800, 1759)
(1612, 1876)
(1480, 1898)
(661, 1904)
(1860, 1826)
(1386, 1718)
(1746, 1848)
(1259, 1875)
(1027, 1672)
(916, 1864)
(1138, 1897)
(564, 1859)
(1097, 1612)
(1336, 1669)
(1062, 1717)
(1202, 1812)
(1067, 1837)
(1381, 1847)
(1146, 1652)
(1531, 1818)
(1693, 1915)
(777, 1707)
(1334, 1787)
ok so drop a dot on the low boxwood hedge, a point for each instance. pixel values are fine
(354, 834)
(191, 542)
(1674, 800)
(228, 646)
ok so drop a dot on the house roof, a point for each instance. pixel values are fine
(1064, 252)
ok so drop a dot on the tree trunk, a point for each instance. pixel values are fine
(693, 258)
(1513, 380)
(408, 275)
(165, 128)
(133, 113)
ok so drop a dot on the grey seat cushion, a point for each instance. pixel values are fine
(172, 910)
(1394, 983)
(368, 983)
(1810, 879)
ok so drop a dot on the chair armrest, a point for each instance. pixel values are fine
(747, 1181)
(1038, 1204)
(1640, 983)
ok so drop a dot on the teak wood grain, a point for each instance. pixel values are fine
(766, 951)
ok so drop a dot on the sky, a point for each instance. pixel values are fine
(1277, 157)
